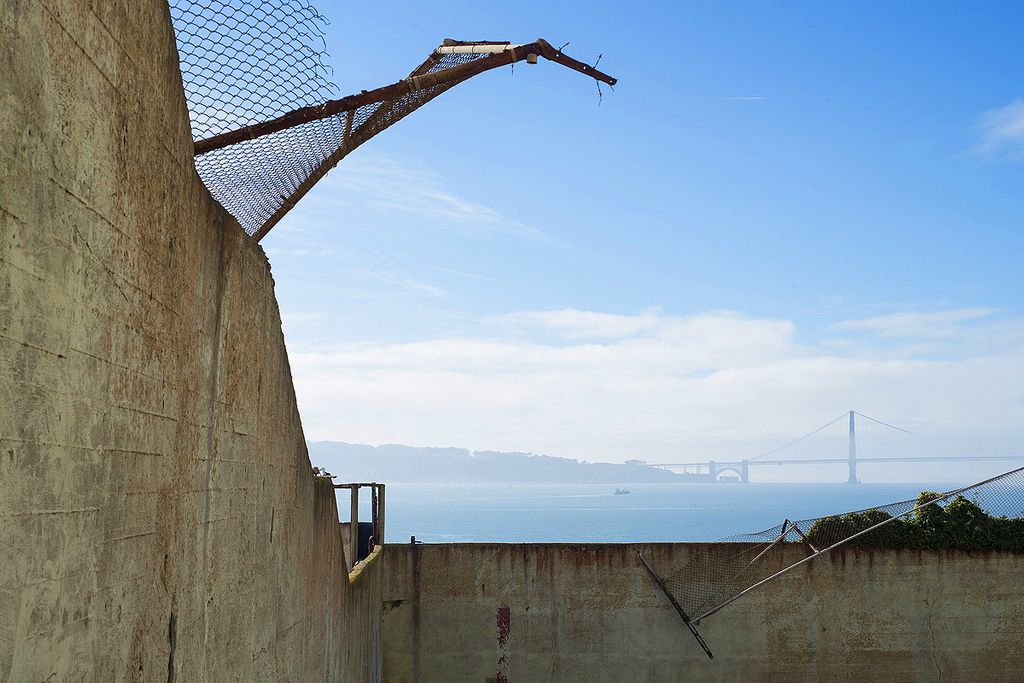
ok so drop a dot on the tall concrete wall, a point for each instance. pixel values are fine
(550, 612)
(158, 518)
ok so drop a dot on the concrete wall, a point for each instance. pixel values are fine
(552, 612)
(158, 518)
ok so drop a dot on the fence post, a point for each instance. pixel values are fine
(373, 514)
(380, 515)
(354, 536)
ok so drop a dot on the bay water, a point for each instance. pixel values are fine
(593, 513)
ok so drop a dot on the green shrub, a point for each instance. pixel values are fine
(961, 524)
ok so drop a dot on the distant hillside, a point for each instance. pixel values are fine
(395, 463)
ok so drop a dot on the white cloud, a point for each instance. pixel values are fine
(1002, 130)
(931, 324)
(400, 284)
(464, 274)
(602, 386)
(575, 323)
(365, 184)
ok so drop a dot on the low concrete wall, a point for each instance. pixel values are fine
(158, 517)
(553, 612)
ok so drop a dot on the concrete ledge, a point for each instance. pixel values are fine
(369, 560)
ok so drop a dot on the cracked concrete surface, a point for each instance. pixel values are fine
(148, 431)
(590, 612)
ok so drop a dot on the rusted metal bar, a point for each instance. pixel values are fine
(348, 143)
(387, 92)
(771, 545)
(806, 540)
(682, 614)
(352, 141)
(420, 81)
(557, 56)
(862, 532)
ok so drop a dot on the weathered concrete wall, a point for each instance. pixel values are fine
(158, 518)
(551, 612)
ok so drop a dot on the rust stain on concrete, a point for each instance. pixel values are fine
(590, 612)
(504, 630)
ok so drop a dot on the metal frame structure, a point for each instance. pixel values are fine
(376, 518)
(788, 527)
(391, 103)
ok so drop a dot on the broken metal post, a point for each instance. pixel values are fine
(806, 540)
(354, 528)
(421, 79)
(785, 530)
(678, 607)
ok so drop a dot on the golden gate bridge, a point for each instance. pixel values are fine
(819, 446)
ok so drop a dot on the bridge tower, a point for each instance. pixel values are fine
(853, 449)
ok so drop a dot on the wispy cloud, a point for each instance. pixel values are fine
(1001, 131)
(573, 323)
(400, 284)
(913, 324)
(372, 184)
(601, 385)
(464, 274)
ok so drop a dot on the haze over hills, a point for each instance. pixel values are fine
(397, 463)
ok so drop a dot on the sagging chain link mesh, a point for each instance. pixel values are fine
(248, 61)
(259, 180)
(985, 516)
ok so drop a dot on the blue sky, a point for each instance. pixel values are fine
(780, 213)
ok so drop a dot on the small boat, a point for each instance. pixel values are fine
(621, 492)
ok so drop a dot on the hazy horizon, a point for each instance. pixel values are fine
(762, 227)
(959, 473)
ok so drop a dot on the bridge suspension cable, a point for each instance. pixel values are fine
(799, 439)
(884, 424)
(862, 441)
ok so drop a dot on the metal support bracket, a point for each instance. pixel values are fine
(785, 530)
(682, 614)
(803, 536)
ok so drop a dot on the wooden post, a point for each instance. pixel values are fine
(354, 538)
(373, 514)
(380, 515)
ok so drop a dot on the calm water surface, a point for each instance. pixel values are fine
(517, 513)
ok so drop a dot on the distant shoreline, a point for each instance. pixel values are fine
(427, 465)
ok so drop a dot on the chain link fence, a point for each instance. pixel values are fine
(985, 516)
(245, 62)
(260, 98)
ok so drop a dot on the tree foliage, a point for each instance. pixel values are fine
(961, 524)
